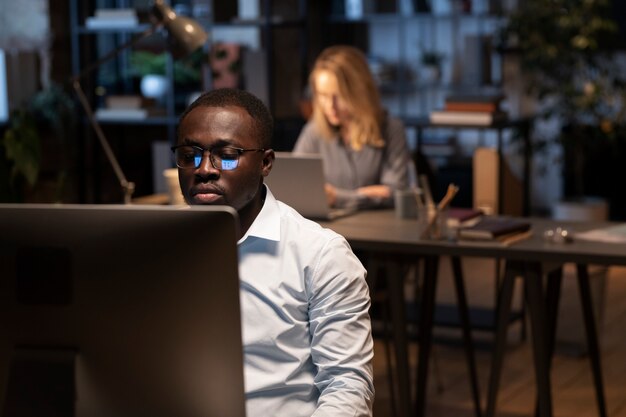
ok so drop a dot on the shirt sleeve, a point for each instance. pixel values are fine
(341, 339)
(352, 199)
(308, 140)
(394, 170)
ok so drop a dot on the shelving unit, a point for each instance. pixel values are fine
(395, 36)
(288, 36)
(280, 29)
(395, 39)
(114, 78)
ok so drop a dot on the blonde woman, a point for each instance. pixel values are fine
(365, 153)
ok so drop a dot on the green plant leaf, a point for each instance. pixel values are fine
(187, 70)
(23, 148)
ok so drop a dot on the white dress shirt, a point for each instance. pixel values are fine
(305, 323)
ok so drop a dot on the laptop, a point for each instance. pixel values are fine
(298, 180)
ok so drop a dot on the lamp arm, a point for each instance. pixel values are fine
(113, 53)
(127, 187)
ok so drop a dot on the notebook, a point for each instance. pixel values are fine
(491, 227)
(298, 181)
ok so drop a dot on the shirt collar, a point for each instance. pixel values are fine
(266, 225)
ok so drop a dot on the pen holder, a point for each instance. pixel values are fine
(405, 203)
(432, 224)
(173, 187)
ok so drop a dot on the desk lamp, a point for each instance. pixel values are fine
(184, 36)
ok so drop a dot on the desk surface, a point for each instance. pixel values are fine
(382, 231)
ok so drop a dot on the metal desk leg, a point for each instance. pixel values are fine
(398, 320)
(467, 332)
(373, 272)
(592, 335)
(427, 313)
(553, 296)
(536, 308)
(504, 311)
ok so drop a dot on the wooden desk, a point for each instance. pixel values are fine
(380, 232)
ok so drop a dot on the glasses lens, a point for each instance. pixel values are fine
(188, 157)
(225, 158)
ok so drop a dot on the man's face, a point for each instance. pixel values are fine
(207, 127)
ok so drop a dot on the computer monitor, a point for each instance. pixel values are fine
(143, 301)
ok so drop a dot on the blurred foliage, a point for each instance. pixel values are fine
(187, 70)
(49, 115)
(566, 50)
(20, 155)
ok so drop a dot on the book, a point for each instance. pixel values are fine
(463, 217)
(121, 114)
(504, 240)
(473, 118)
(115, 13)
(473, 102)
(492, 227)
(126, 101)
(106, 23)
(471, 106)
(112, 19)
(474, 98)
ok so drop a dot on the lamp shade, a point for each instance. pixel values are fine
(185, 35)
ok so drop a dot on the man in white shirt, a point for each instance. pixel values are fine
(304, 300)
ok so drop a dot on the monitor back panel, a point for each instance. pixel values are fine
(148, 298)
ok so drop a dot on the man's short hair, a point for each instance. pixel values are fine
(224, 97)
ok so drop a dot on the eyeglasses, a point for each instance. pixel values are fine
(225, 158)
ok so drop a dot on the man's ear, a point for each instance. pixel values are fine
(268, 161)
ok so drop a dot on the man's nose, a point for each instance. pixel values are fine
(206, 166)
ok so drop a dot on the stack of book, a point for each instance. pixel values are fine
(122, 107)
(493, 229)
(470, 109)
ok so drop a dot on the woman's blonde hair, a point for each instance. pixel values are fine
(357, 89)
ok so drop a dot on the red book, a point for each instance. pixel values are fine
(471, 106)
(463, 217)
(473, 102)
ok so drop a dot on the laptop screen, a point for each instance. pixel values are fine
(298, 181)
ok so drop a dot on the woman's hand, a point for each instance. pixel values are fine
(375, 191)
(331, 194)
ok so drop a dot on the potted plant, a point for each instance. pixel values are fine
(566, 50)
(20, 156)
(151, 68)
(35, 143)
